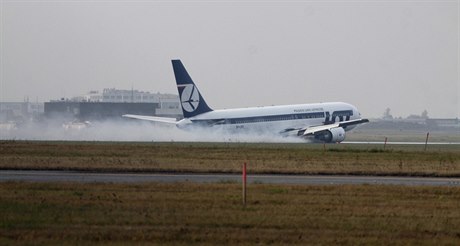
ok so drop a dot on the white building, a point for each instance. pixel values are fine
(169, 104)
(115, 95)
(20, 111)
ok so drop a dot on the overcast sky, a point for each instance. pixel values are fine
(374, 54)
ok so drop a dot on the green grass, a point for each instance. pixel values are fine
(438, 160)
(187, 213)
(367, 133)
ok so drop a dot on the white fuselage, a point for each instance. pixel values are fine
(275, 118)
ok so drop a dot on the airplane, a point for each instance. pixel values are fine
(321, 122)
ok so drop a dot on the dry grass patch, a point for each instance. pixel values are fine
(186, 213)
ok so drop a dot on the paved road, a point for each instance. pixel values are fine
(68, 176)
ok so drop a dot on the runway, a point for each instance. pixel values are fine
(86, 177)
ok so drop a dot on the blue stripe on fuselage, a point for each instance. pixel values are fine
(270, 118)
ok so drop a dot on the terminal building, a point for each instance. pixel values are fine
(20, 111)
(112, 104)
(96, 111)
(443, 123)
(126, 96)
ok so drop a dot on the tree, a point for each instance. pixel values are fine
(387, 114)
(425, 114)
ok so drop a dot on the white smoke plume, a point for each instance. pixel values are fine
(131, 130)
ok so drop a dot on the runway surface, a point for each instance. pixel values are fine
(83, 177)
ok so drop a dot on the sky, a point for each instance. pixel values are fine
(402, 55)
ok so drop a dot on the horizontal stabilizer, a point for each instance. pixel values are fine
(152, 118)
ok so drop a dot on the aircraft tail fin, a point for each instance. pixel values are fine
(191, 100)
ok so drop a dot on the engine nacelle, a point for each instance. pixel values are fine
(334, 135)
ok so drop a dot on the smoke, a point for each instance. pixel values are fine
(131, 130)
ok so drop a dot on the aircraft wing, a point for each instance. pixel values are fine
(151, 118)
(352, 122)
(314, 129)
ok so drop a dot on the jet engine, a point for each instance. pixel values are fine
(333, 135)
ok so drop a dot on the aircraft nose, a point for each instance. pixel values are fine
(356, 113)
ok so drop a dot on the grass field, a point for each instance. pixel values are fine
(367, 134)
(212, 214)
(438, 160)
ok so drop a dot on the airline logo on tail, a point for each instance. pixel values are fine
(192, 102)
(189, 97)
